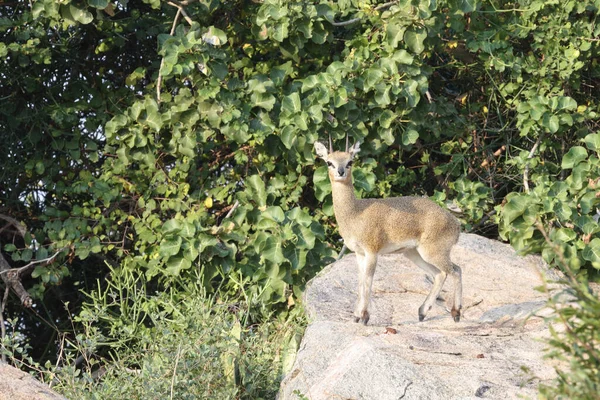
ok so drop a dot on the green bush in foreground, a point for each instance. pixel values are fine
(575, 336)
(172, 346)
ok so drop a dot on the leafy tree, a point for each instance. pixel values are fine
(175, 138)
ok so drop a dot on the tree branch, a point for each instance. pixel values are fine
(20, 227)
(179, 6)
(22, 270)
(11, 278)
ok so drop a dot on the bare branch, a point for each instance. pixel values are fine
(2, 326)
(22, 229)
(11, 278)
(19, 271)
(180, 5)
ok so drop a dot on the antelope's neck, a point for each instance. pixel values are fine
(345, 204)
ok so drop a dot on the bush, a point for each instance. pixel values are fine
(171, 346)
(575, 335)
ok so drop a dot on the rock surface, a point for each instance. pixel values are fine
(18, 385)
(495, 351)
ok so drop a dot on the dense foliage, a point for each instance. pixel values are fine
(173, 140)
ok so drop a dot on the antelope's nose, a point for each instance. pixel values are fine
(341, 171)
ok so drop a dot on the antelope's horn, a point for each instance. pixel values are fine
(346, 142)
(330, 145)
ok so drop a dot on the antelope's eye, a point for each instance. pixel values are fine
(349, 164)
(329, 163)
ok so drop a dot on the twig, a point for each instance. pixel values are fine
(497, 153)
(20, 227)
(180, 5)
(353, 20)
(2, 327)
(175, 369)
(474, 304)
(235, 205)
(162, 62)
(342, 251)
(483, 220)
(529, 157)
(12, 280)
(20, 270)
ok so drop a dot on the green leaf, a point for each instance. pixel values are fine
(263, 100)
(373, 77)
(403, 57)
(592, 141)
(256, 189)
(567, 103)
(171, 226)
(386, 118)
(574, 156)
(563, 235)
(551, 122)
(296, 256)
(100, 4)
(153, 118)
(414, 39)
(288, 136)
(325, 11)
(280, 31)
(187, 230)
(321, 183)
(306, 238)
(364, 180)
(80, 15)
(273, 250)
(515, 207)
(170, 247)
(591, 252)
(214, 36)
(176, 264)
(468, 6)
(9, 247)
(291, 103)
(187, 146)
(395, 32)
(411, 93)
(274, 213)
(409, 137)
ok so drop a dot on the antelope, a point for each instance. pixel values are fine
(415, 226)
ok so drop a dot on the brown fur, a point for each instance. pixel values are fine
(416, 226)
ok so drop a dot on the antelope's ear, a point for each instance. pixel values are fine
(354, 149)
(321, 150)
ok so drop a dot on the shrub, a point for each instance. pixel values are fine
(575, 335)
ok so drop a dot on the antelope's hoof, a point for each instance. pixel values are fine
(423, 312)
(455, 314)
(364, 318)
